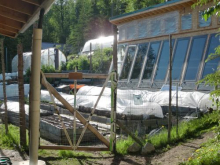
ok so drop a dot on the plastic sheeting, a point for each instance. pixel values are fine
(47, 58)
(202, 22)
(150, 27)
(135, 101)
(9, 76)
(12, 90)
(102, 42)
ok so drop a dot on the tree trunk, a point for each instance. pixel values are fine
(4, 87)
(21, 96)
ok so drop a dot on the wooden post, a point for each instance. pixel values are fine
(74, 125)
(114, 81)
(23, 141)
(170, 89)
(177, 111)
(4, 87)
(90, 57)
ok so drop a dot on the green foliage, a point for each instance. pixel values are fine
(72, 154)
(27, 76)
(101, 60)
(63, 66)
(82, 63)
(12, 139)
(186, 130)
(123, 144)
(48, 69)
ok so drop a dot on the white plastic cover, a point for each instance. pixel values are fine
(102, 42)
(47, 58)
(135, 101)
(150, 27)
(12, 90)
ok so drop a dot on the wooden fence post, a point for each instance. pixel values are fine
(23, 141)
(4, 87)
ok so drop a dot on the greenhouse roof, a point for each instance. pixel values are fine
(17, 15)
(152, 10)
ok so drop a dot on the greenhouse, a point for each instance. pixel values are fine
(143, 46)
(49, 56)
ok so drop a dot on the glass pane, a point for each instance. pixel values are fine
(195, 57)
(163, 61)
(211, 65)
(155, 27)
(202, 22)
(186, 22)
(128, 61)
(121, 55)
(151, 59)
(179, 56)
(139, 60)
(170, 25)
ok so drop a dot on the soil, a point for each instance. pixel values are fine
(174, 156)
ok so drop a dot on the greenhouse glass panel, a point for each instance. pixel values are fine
(121, 55)
(156, 27)
(151, 59)
(142, 51)
(179, 56)
(163, 61)
(195, 57)
(211, 66)
(186, 22)
(128, 61)
(170, 25)
(202, 22)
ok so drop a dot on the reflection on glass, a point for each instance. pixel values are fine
(195, 57)
(211, 65)
(128, 61)
(151, 59)
(121, 54)
(202, 22)
(179, 56)
(186, 22)
(163, 61)
(139, 60)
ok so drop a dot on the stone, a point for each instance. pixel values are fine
(147, 148)
(135, 147)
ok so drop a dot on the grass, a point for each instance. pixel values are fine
(208, 154)
(186, 130)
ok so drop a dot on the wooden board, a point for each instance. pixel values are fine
(75, 75)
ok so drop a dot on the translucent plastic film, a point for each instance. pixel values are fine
(150, 27)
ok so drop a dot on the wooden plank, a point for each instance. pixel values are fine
(84, 75)
(81, 148)
(6, 33)
(75, 75)
(8, 29)
(14, 15)
(11, 23)
(34, 2)
(19, 6)
(78, 115)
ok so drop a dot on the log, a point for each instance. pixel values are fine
(84, 148)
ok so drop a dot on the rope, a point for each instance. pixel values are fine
(57, 111)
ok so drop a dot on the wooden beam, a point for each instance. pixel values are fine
(66, 75)
(72, 110)
(19, 6)
(34, 2)
(7, 28)
(83, 148)
(14, 15)
(11, 23)
(6, 33)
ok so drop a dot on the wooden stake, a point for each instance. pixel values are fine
(170, 89)
(4, 87)
(23, 141)
(83, 148)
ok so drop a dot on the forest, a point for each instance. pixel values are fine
(73, 22)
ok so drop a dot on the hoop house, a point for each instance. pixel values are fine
(48, 57)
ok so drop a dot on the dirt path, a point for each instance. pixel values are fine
(172, 157)
(181, 152)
